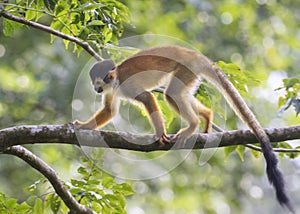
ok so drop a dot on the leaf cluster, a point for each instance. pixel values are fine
(98, 191)
(241, 79)
(11, 206)
(94, 21)
(291, 97)
(93, 189)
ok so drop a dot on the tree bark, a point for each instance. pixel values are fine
(66, 134)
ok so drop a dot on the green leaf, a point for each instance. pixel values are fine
(55, 204)
(124, 188)
(281, 101)
(121, 200)
(8, 27)
(83, 171)
(77, 183)
(31, 200)
(23, 208)
(255, 153)
(40, 4)
(286, 106)
(113, 200)
(93, 182)
(108, 182)
(38, 206)
(96, 207)
(240, 78)
(107, 33)
(89, 6)
(285, 145)
(96, 23)
(62, 8)
(84, 33)
(11, 203)
(240, 150)
(66, 43)
(292, 155)
(296, 105)
(56, 25)
(290, 82)
(168, 114)
(228, 150)
(30, 14)
(77, 48)
(50, 4)
(77, 191)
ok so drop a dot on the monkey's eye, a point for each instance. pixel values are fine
(98, 83)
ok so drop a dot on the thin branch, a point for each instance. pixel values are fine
(84, 45)
(257, 148)
(65, 134)
(50, 174)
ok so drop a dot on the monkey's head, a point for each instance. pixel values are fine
(102, 75)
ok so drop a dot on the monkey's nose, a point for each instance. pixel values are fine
(99, 90)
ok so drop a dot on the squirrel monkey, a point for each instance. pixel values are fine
(136, 76)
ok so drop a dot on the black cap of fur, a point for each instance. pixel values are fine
(101, 69)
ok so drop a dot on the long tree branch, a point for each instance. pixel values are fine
(50, 174)
(66, 134)
(84, 45)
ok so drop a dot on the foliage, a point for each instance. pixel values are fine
(241, 79)
(94, 189)
(292, 95)
(99, 192)
(11, 206)
(94, 21)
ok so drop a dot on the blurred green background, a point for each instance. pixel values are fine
(37, 81)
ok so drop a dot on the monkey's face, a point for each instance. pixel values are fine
(100, 85)
(102, 74)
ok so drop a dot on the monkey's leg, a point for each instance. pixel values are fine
(154, 114)
(178, 95)
(203, 112)
(184, 108)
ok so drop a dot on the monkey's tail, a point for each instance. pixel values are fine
(241, 108)
(275, 176)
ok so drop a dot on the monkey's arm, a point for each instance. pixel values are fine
(101, 117)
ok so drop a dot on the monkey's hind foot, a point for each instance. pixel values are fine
(178, 141)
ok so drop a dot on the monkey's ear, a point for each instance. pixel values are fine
(101, 69)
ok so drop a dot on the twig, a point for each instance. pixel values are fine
(257, 148)
(84, 45)
(50, 174)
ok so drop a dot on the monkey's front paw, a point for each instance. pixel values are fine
(81, 125)
(164, 139)
(77, 124)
